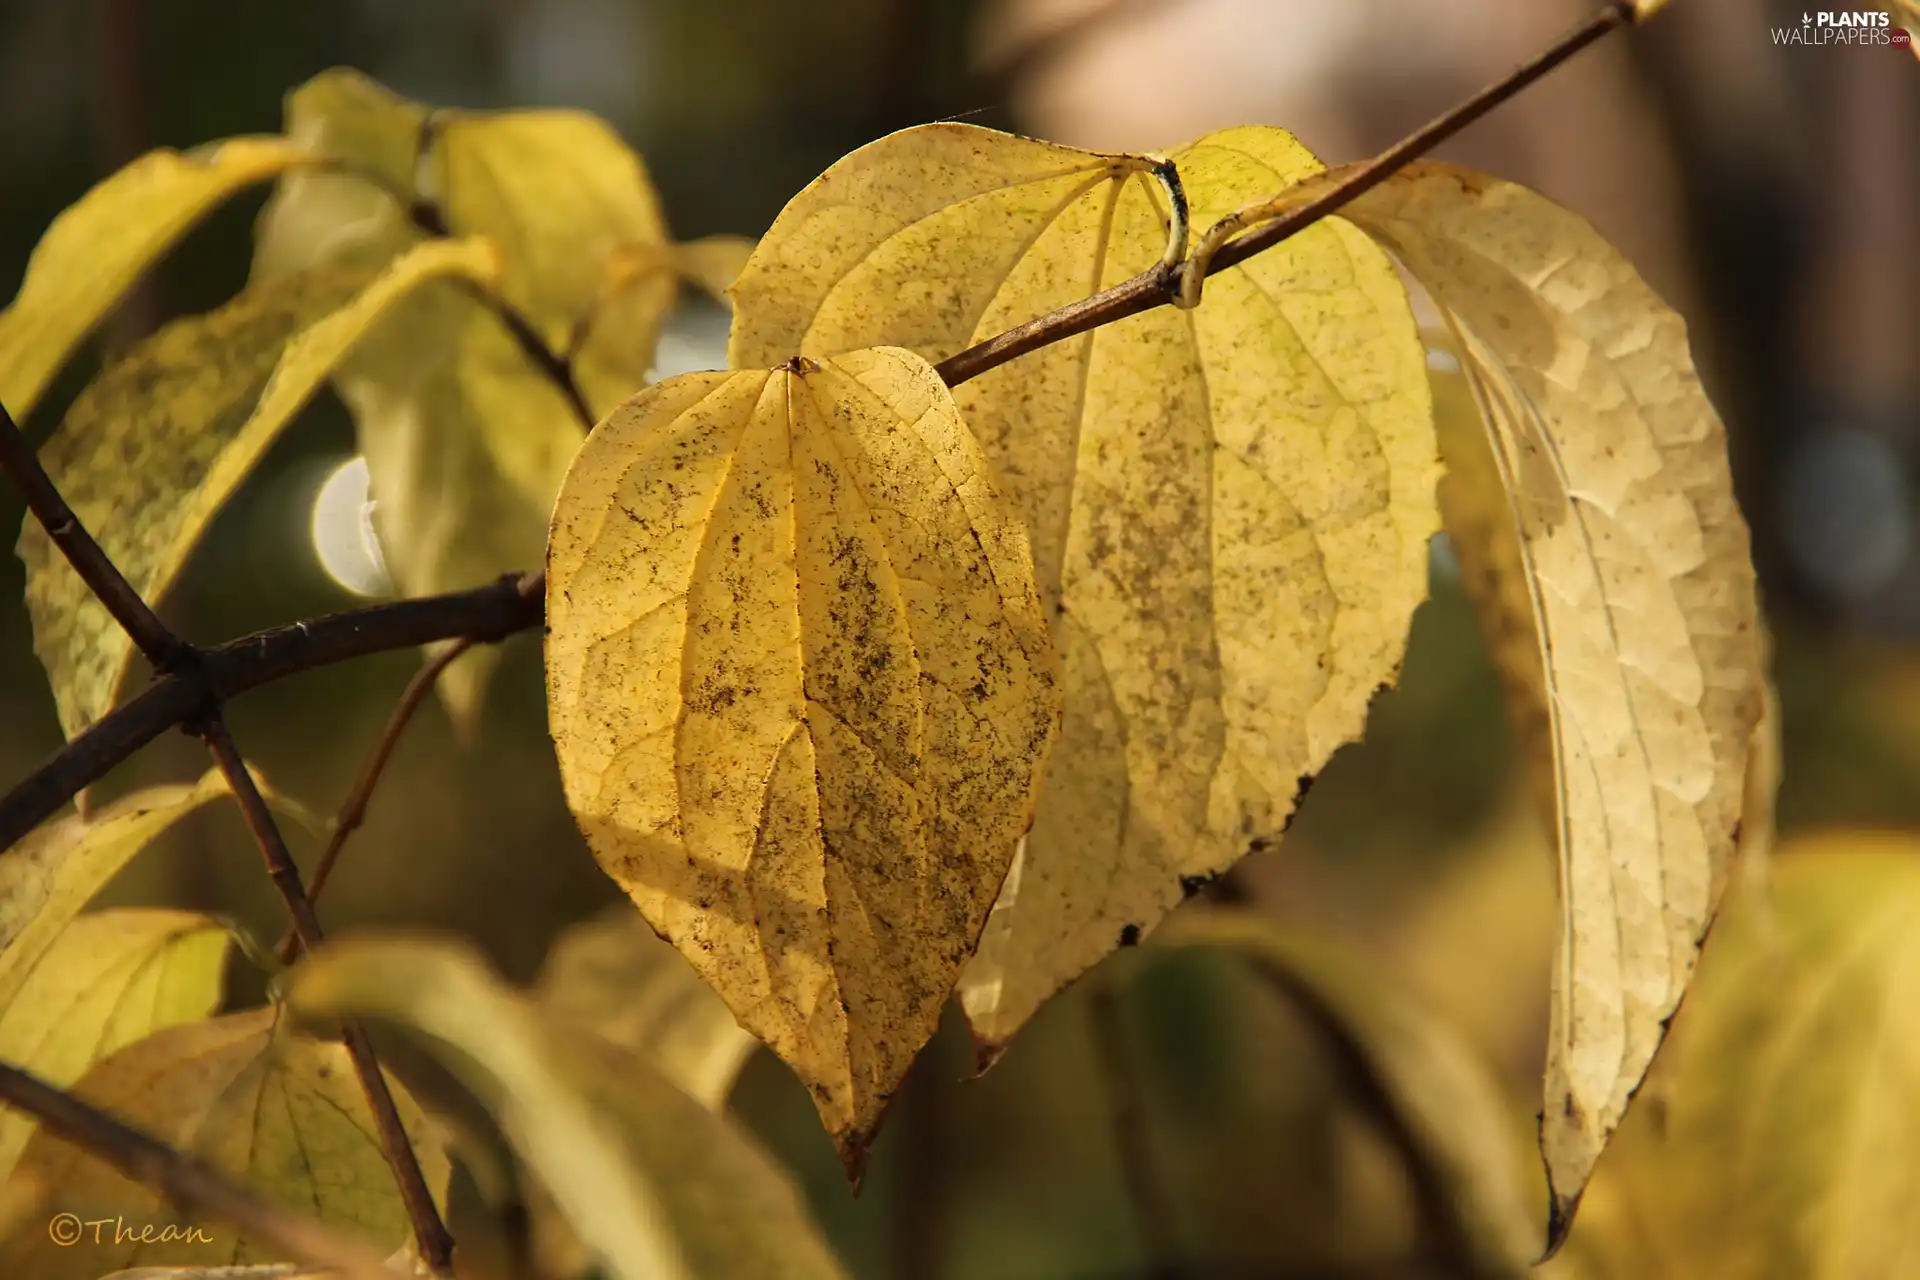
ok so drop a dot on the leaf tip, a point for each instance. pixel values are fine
(1560, 1211)
(854, 1147)
(986, 1052)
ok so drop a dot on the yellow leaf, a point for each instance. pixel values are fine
(1443, 1100)
(466, 440)
(713, 262)
(47, 878)
(282, 1113)
(354, 210)
(152, 450)
(561, 193)
(1637, 567)
(108, 980)
(656, 1185)
(95, 251)
(613, 974)
(1788, 1135)
(1479, 520)
(801, 692)
(1229, 506)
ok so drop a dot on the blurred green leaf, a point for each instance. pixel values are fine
(1444, 1106)
(108, 979)
(655, 1185)
(47, 878)
(1783, 1135)
(283, 1113)
(615, 975)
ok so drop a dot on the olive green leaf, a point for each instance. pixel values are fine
(281, 1112)
(655, 1185)
(95, 251)
(153, 449)
(108, 979)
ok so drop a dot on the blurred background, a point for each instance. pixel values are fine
(1771, 192)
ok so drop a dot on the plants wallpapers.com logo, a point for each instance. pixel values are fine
(1847, 27)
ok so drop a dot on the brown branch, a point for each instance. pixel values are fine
(22, 466)
(1160, 285)
(185, 1181)
(484, 615)
(557, 368)
(1364, 178)
(353, 810)
(1153, 1213)
(430, 1233)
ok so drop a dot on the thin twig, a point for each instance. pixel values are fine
(1160, 285)
(22, 466)
(1366, 177)
(557, 368)
(1153, 1213)
(483, 614)
(429, 220)
(353, 810)
(430, 1233)
(187, 1182)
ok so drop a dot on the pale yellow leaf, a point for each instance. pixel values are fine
(801, 692)
(1636, 561)
(155, 447)
(1229, 506)
(1479, 521)
(48, 877)
(1787, 1140)
(108, 980)
(613, 974)
(283, 1113)
(465, 449)
(1443, 1098)
(353, 211)
(656, 1185)
(561, 193)
(96, 250)
(713, 262)
(466, 439)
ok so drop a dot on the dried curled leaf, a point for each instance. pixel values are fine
(282, 1113)
(616, 976)
(109, 979)
(656, 1186)
(1229, 506)
(152, 450)
(1637, 566)
(96, 250)
(801, 691)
